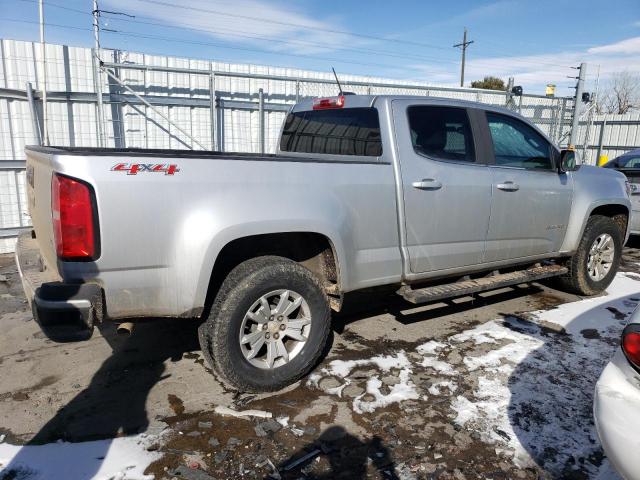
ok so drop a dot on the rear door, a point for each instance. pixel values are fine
(531, 202)
(446, 189)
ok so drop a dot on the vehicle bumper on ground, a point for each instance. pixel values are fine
(61, 309)
(616, 410)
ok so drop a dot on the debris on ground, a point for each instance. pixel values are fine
(302, 459)
(222, 410)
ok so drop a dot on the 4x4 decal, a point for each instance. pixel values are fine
(135, 168)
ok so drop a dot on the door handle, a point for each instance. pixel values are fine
(508, 186)
(427, 184)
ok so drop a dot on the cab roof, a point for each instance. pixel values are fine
(359, 101)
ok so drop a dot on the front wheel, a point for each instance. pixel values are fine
(596, 261)
(268, 326)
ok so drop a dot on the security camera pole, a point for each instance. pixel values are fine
(577, 103)
(463, 46)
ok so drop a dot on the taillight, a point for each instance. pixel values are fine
(631, 343)
(328, 103)
(73, 219)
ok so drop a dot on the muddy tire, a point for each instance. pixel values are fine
(596, 261)
(268, 325)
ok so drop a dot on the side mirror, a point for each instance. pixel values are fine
(567, 161)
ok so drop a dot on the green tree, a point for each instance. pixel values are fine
(489, 83)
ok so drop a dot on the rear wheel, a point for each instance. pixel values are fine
(268, 326)
(596, 261)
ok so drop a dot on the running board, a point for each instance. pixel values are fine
(467, 287)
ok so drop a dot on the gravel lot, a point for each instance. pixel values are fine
(495, 386)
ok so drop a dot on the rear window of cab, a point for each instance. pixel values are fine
(349, 131)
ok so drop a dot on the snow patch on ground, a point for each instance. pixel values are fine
(123, 458)
(524, 384)
(430, 348)
(342, 368)
(535, 391)
(438, 365)
(436, 388)
(465, 410)
(404, 390)
(373, 398)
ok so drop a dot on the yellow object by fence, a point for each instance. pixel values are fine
(602, 160)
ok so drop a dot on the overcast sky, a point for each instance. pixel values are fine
(534, 41)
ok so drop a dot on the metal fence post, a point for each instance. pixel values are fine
(34, 114)
(261, 119)
(219, 124)
(97, 86)
(18, 198)
(117, 114)
(297, 91)
(561, 121)
(603, 127)
(212, 108)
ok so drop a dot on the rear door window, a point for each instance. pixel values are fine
(441, 133)
(349, 131)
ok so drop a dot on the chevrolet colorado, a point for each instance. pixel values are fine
(437, 197)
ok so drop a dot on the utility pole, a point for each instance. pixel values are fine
(463, 46)
(97, 72)
(43, 55)
(577, 103)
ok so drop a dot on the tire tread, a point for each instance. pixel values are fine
(211, 332)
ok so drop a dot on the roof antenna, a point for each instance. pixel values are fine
(337, 81)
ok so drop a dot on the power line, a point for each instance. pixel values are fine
(486, 63)
(238, 33)
(194, 42)
(307, 27)
(295, 25)
(244, 34)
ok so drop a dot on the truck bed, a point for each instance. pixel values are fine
(161, 230)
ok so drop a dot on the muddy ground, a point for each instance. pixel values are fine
(492, 386)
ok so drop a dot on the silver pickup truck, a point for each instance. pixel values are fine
(437, 198)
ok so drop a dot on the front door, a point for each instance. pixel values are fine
(446, 189)
(531, 202)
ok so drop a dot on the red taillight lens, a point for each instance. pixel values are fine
(328, 103)
(631, 347)
(73, 222)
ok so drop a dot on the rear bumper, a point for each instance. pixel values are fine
(616, 410)
(61, 309)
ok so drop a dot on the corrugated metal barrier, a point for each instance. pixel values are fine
(224, 106)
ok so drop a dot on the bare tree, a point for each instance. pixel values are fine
(622, 93)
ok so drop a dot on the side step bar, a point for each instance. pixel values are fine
(466, 287)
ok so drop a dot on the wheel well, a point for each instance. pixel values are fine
(313, 250)
(619, 214)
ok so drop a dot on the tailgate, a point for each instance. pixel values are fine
(39, 172)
